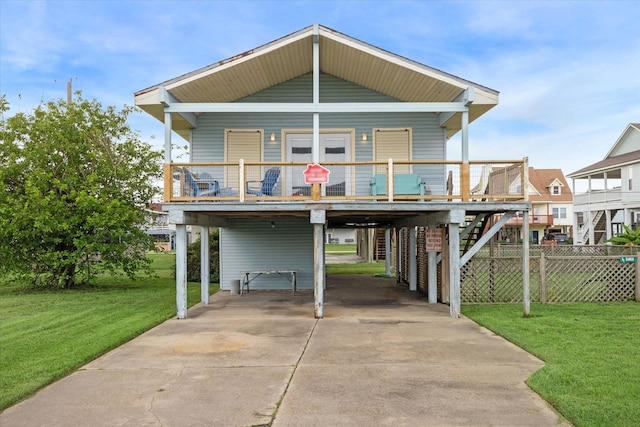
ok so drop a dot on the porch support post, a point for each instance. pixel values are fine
(526, 297)
(167, 138)
(398, 255)
(413, 276)
(454, 269)
(316, 94)
(592, 226)
(318, 219)
(609, 227)
(181, 270)
(628, 216)
(387, 251)
(204, 265)
(432, 279)
(465, 188)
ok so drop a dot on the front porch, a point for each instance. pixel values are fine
(417, 180)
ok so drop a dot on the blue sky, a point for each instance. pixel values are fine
(568, 73)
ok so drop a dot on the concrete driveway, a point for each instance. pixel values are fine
(382, 356)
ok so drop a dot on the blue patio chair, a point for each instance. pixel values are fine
(201, 188)
(267, 185)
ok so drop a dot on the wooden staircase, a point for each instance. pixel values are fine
(475, 233)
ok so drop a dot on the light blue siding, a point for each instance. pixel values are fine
(208, 138)
(258, 245)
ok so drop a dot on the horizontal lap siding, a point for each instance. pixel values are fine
(208, 138)
(257, 245)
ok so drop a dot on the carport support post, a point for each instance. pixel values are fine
(204, 265)
(413, 277)
(318, 219)
(432, 279)
(181, 270)
(456, 217)
(398, 253)
(387, 251)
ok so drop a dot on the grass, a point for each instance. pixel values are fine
(358, 268)
(340, 249)
(592, 374)
(592, 353)
(46, 335)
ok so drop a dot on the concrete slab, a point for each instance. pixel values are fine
(381, 356)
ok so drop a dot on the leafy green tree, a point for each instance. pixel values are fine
(628, 237)
(74, 182)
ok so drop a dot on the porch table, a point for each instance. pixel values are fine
(249, 276)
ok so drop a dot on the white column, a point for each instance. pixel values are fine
(432, 279)
(607, 215)
(465, 136)
(318, 219)
(454, 270)
(398, 255)
(592, 226)
(526, 297)
(387, 251)
(181, 270)
(167, 138)
(204, 265)
(316, 93)
(413, 267)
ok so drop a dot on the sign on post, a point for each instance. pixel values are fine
(433, 239)
(316, 174)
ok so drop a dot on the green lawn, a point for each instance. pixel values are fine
(358, 268)
(592, 353)
(340, 249)
(45, 335)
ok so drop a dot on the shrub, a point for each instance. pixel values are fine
(193, 259)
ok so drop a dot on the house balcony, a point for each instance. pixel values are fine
(598, 197)
(534, 220)
(392, 181)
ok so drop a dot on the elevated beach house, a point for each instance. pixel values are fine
(317, 131)
(610, 197)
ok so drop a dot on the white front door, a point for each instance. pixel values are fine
(334, 147)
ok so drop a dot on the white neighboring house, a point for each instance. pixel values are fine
(612, 197)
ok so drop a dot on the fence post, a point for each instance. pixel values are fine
(637, 277)
(543, 278)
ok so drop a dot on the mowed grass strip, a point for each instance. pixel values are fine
(45, 335)
(592, 353)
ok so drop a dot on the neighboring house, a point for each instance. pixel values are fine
(612, 195)
(159, 228)
(551, 201)
(258, 124)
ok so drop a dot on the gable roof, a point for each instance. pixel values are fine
(543, 179)
(612, 161)
(340, 55)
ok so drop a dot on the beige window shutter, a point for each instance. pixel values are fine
(241, 144)
(392, 144)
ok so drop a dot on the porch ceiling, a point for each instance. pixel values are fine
(292, 56)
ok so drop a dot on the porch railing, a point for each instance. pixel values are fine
(418, 180)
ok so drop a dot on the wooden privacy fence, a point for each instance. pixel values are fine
(562, 278)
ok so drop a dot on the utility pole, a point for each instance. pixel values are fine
(69, 91)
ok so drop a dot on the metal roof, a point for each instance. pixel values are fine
(292, 56)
